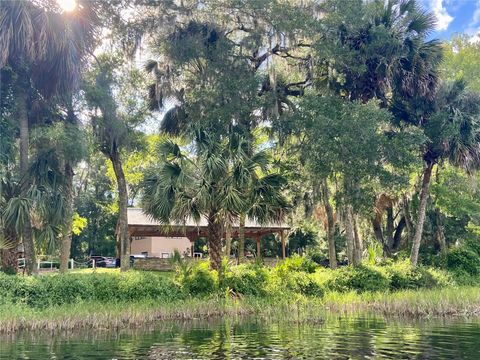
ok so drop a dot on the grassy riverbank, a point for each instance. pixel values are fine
(302, 290)
(461, 301)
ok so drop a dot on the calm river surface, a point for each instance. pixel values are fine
(249, 338)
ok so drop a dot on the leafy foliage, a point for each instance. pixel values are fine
(54, 290)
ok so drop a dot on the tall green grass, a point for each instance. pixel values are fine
(461, 301)
(297, 286)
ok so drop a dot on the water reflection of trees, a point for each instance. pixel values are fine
(337, 338)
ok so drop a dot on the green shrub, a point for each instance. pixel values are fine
(295, 275)
(441, 277)
(296, 263)
(147, 285)
(463, 259)
(362, 278)
(305, 284)
(58, 289)
(318, 258)
(246, 279)
(404, 276)
(473, 244)
(199, 280)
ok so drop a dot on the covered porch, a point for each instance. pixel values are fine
(140, 225)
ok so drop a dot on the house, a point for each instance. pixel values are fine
(159, 246)
(152, 239)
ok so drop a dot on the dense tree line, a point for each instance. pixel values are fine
(342, 118)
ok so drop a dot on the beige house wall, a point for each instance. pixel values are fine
(137, 246)
(160, 246)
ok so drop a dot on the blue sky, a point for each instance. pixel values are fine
(455, 16)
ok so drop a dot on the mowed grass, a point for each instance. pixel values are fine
(96, 270)
(166, 274)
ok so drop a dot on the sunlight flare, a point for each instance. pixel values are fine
(67, 5)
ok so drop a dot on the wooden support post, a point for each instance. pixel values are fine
(258, 247)
(192, 237)
(282, 238)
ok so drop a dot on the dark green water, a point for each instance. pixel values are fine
(249, 338)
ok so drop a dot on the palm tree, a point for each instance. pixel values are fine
(114, 126)
(261, 188)
(44, 49)
(43, 206)
(451, 123)
(370, 49)
(379, 49)
(64, 141)
(197, 184)
(8, 240)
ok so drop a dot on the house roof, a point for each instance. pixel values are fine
(140, 224)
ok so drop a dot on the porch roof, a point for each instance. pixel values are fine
(140, 224)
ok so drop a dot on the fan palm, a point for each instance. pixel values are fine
(211, 183)
(44, 49)
(194, 185)
(64, 142)
(379, 47)
(261, 188)
(42, 206)
(452, 124)
(108, 91)
(8, 240)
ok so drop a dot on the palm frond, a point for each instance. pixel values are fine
(174, 121)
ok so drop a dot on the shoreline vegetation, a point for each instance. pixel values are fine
(294, 290)
(409, 304)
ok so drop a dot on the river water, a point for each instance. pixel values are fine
(336, 337)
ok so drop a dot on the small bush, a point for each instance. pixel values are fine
(404, 276)
(441, 277)
(362, 278)
(473, 244)
(148, 285)
(296, 263)
(58, 289)
(246, 279)
(319, 258)
(463, 259)
(305, 284)
(199, 280)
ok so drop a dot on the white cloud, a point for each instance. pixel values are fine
(476, 14)
(443, 17)
(473, 28)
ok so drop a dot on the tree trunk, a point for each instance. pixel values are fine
(27, 239)
(350, 234)
(390, 228)
(9, 255)
(397, 237)
(440, 232)
(122, 214)
(215, 242)
(67, 232)
(241, 239)
(408, 223)
(118, 241)
(9, 260)
(332, 254)
(377, 228)
(228, 238)
(358, 253)
(427, 174)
